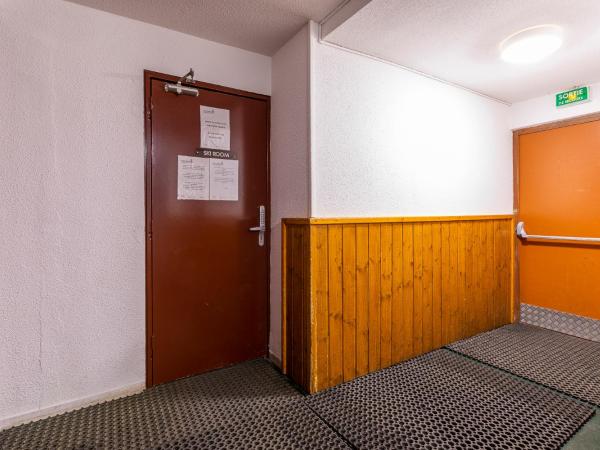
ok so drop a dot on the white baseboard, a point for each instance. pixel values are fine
(71, 405)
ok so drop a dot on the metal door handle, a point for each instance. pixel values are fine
(523, 235)
(262, 226)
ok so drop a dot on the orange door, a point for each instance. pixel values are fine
(559, 194)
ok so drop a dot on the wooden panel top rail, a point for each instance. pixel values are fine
(343, 220)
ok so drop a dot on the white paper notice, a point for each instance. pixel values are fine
(192, 178)
(214, 128)
(223, 179)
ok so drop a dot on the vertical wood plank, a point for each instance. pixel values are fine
(290, 268)
(397, 299)
(453, 284)
(446, 285)
(497, 275)
(436, 239)
(386, 294)
(349, 300)
(507, 270)
(284, 300)
(501, 254)
(320, 311)
(427, 288)
(477, 311)
(483, 273)
(297, 302)
(461, 304)
(374, 296)
(469, 301)
(418, 289)
(407, 290)
(483, 320)
(490, 278)
(306, 301)
(515, 310)
(334, 251)
(362, 299)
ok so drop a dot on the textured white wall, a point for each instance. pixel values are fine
(388, 142)
(290, 180)
(543, 109)
(72, 193)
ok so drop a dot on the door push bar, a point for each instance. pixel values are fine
(523, 235)
(262, 226)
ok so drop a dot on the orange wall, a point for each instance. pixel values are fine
(559, 194)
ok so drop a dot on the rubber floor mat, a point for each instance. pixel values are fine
(566, 363)
(248, 406)
(445, 401)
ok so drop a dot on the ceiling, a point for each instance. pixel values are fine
(261, 26)
(458, 41)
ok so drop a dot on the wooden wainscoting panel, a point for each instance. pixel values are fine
(397, 293)
(319, 305)
(361, 295)
(296, 319)
(374, 297)
(349, 277)
(386, 294)
(471, 276)
(436, 242)
(445, 285)
(362, 299)
(407, 291)
(427, 287)
(417, 289)
(334, 268)
(502, 256)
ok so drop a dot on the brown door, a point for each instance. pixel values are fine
(208, 275)
(559, 194)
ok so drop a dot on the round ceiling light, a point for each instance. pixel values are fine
(532, 44)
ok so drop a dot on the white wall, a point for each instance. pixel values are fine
(543, 109)
(72, 296)
(389, 142)
(290, 177)
(385, 142)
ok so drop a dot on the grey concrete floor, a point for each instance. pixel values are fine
(588, 437)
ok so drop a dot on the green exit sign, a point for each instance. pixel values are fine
(573, 96)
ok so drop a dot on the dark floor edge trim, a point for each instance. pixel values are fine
(331, 427)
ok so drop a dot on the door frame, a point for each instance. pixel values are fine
(149, 76)
(517, 133)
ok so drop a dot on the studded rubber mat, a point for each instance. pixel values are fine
(445, 401)
(248, 406)
(565, 363)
